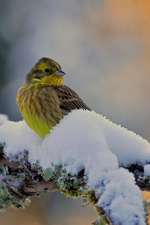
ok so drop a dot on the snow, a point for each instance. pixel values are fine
(88, 140)
(17, 137)
(121, 198)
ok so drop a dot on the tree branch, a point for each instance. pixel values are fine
(20, 180)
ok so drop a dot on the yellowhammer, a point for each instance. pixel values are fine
(44, 99)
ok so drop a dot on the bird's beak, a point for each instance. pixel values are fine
(60, 73)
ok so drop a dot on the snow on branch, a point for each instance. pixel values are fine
(85, 156)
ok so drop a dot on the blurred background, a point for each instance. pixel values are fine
(103, 46)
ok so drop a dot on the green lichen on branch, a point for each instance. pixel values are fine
(10, 184)
(9, 199)
(18, 180)
(70, 185)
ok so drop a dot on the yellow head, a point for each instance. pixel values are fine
(46, 71)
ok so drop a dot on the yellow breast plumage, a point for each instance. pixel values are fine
(39, 106)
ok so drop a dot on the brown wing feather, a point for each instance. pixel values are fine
(69, 99)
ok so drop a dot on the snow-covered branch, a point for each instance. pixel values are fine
(85, 156)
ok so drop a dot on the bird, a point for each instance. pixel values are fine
(44, 100)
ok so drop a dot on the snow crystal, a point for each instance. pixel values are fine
(88, 140)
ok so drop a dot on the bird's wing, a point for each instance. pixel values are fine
(69, 100)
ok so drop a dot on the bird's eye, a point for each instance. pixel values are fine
(47, 70)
